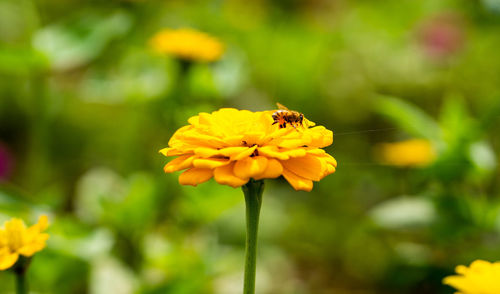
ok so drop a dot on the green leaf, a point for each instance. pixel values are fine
(75, 43)
(409, 117)
(456, 123)
(21, 61)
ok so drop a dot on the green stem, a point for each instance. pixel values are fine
(21, 287)
(253, 199)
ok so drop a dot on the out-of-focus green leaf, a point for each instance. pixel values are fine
(74, 43)
(408, 117)
(137, 209)
(456, 124)
(96, 187)
(14, 203)
(196, 206)
(132, 201)
(139, 77)
(79, 242)
(21, 61)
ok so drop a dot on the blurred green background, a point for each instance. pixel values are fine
(85, 105)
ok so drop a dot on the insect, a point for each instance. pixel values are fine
(284, 116)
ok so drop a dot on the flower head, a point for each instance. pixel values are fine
(409, 153)
(187, 44)
(482, 277)
(442, 35)
(233, 146)
(16, 239)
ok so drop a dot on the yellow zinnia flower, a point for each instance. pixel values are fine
(16, 239)
(482, 277)
(234, 146)
(187, 44)
(409, 153)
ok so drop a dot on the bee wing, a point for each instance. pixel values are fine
(281, 106)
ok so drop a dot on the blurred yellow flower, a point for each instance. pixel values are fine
(187, 44)
(233, 146)
(409, 153)
(16, 239)
(482, 277)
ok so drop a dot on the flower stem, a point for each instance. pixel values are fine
(19, 269)
(21, 287)
(253, 199)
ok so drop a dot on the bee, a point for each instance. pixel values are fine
(284, 116)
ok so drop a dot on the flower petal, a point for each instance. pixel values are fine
(298, 152)
(179, 163)
(7, 259)
(241, 155)
(36, 245)
(195, 176)
(320, 137)
(171, 151)
(297, 182)
(273, 151)
(292, 143)
(232, 151)
(250, 167)
(308, 167)
(43, 224)
(210, 162)
(224, 175)
(273, 170)
(206, 152)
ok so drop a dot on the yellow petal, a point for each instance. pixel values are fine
(34, 231)
(3, 238)
(194, 120)
(273, 151)
(330, 159)
(170, 152)
(292, 143)
(206, 152)
(273, 170)
(316, 151)
(210, 162)
(234, 140)
(203, 118)
(250, 167)
(224, 175)
(253, 137)
(232, 151)
(308, 167)
(330, 169)
(249, 151)
(178, 134)
(43, 222)
(320, 137)
(195, 176)
(14, 225)
(297, 182)
(299, 152)
(37, 245)
(179, 163)
(7, 259)
(196, 137)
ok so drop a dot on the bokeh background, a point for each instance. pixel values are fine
(85, 105)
